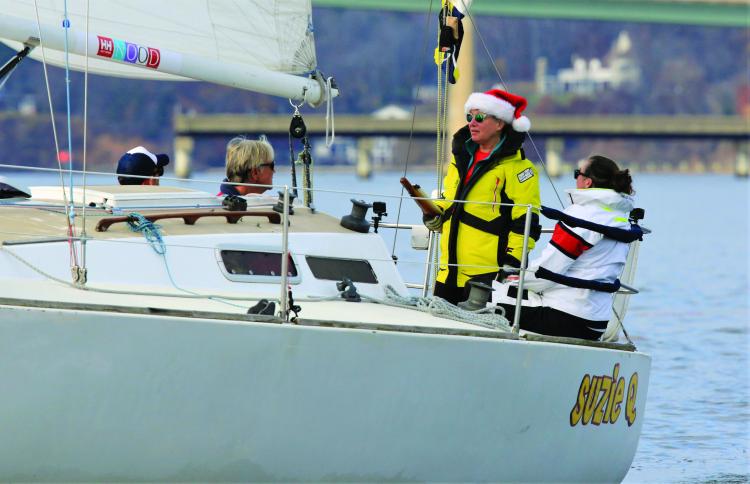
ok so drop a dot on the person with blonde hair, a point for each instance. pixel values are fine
(248, 161)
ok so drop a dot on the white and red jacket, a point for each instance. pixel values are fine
(584, 254)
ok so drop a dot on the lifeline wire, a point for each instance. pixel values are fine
(413, 118)
(152, 233)
(115, 291)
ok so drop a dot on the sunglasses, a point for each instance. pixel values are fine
(271, 165)
(479, 117)
(577, 172)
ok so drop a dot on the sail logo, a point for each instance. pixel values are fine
(600, 399)
(128, 52)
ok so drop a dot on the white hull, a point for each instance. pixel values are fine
(90, 395)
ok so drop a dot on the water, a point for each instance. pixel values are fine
(691, 315)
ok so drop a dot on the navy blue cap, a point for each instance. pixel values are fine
(140, 162)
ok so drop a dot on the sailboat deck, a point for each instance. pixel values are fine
(24, 223)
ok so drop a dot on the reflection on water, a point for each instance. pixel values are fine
(691, 315)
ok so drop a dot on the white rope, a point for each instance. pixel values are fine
(329, 113)
(439, 307)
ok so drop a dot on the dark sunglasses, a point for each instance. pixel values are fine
(270, 165)
(479, 117)
(577, 172)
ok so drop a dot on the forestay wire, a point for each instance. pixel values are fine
(418, 71)
(505, 87)
(71, 229)
(83, 276)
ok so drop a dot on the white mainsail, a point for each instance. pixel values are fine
(261, 45)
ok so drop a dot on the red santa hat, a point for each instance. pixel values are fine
(501, 104)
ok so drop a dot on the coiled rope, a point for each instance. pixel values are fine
(151, 231)
(437, 306)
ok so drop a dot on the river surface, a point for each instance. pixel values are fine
(691, 315)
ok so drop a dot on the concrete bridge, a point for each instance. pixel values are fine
(553, 130)
(579, 126)
(724, 13)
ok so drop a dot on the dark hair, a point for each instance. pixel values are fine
(605, 173)
(126, 180)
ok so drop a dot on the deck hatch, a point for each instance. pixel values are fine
(335, 269)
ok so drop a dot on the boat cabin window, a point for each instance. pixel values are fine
(249, 263)
(334, 269)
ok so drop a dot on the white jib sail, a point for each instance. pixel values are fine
(260, 45)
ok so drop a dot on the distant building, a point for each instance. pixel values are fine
(391, 111)
(618, 70)
(27, 105)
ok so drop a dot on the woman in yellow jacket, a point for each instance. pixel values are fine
(488, 165)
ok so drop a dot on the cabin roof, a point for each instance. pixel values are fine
(40, 219)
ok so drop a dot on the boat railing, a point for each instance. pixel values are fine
(286, 199)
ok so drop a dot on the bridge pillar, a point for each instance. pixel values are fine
(742, 163)
(554, 148)
(183, 156)
(364, 162)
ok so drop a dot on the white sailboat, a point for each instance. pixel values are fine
(147, 365)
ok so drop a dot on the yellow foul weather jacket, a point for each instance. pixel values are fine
(482, 237)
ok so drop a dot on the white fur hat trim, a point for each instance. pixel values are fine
(489, 104)
(500, 108)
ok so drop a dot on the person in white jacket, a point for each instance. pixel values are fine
(570, 286)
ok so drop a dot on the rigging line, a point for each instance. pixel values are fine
(438, 130)
(52, 117)
(40, 271)
(622, 326)
(445, 152)
(85, 133)
(418, 71)
(213, 182)
(72, 215)
(212, 248)
(505, 87)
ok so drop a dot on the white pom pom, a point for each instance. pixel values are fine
(522, 124)
(463, 6)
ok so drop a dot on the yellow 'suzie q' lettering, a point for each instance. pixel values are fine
(577, 412)
(599, 411)
(630, 412)
(600, 398)
(619, 394)
(611, 396)
(588, 409)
